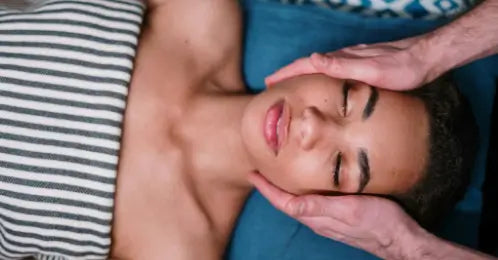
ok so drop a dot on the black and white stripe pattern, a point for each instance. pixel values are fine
(65, 66)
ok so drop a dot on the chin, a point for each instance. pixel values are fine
(250, 128)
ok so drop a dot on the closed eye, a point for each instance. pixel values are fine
(337, 169)
(345, 92)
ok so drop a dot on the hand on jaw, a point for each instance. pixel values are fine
(376, 225)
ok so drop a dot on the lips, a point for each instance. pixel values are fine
(275, 126)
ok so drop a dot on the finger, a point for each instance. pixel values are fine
(340, 208)
(397, 44)
(298, 67)
(335, 207)
(319, 222)
(277, 197)
(363, 69)
(358, 46)
(295, 206)
(343, 54)
(327, 227)
(366, 52)
(405, 43)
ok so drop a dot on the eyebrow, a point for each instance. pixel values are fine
(346, 86)
(364, 169)
(372, 101)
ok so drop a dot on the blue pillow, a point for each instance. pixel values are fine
(277, 34)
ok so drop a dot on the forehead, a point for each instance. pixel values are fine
(308, 83)
(397, 142)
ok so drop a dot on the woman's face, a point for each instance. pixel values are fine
(314, 134)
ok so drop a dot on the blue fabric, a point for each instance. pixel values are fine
(277, 34)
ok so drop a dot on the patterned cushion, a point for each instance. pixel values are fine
(415, 9)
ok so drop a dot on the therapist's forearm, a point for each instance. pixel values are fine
(423, 245)
(470, 37)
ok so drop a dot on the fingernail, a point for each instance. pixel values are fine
(320, 60)
(268, 81)
(301, 207)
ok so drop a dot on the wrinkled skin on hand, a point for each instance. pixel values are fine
(373, 224)
(398, 65)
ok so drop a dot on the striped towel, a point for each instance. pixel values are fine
(65, 67)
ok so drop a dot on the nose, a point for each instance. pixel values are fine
(311, 128)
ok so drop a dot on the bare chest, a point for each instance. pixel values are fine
(157, 210)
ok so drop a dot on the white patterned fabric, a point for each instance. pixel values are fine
(65, 67)
(414, 9)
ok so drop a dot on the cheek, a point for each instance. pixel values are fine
(252, 133)
(297, 174)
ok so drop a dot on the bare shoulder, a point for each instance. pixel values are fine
(207, 32)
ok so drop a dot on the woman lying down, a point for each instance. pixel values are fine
(191, 133)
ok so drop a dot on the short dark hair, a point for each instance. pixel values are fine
(453, 136)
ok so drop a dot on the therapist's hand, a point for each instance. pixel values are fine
(373, 224)
(399, 65)
(412, 62)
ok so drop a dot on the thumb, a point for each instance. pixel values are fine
(298, 67)
(340, 208)
(295, 206)
(311, 206)
(360, 69)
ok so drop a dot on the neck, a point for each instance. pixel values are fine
(218, 157)
(213, 131)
